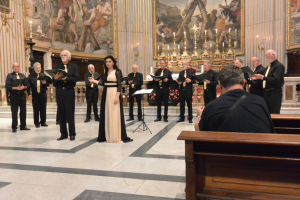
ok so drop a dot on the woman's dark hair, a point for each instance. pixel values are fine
(115, 64)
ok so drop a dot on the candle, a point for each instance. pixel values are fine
(151, 70)
(235, 43)
(168, 47)
(216, 31)
(223, 44)
(205, 32)
(184, 34)
(236, 31)
(202, 68)
(158, 49)
(163, 35)
(30, 29)
(179, 46)
(174, 34)
(210, 45)
(229, 30)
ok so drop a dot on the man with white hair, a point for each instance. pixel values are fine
(273, 80)
(39, 96)
(256, 85)
(135, 83)
(65, 94)
(91, 94)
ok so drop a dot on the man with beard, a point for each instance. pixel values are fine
(256, 85)
(65, 94)
(273, 80)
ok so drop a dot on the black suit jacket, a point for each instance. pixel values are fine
(213, 81)
(72, 77)
(275, 78)
(257, 84)
(137, 81)
(189, 74)
(167, 74)
(33, 84)
(87, 82)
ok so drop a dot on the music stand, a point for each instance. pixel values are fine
(142, 92)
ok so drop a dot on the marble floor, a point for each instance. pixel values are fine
(34, 165)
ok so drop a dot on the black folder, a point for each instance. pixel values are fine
(247, 70)
(157, 77)
(17, 82)
(202, 77)
(181, 79)
(43, 77)
(126, 79)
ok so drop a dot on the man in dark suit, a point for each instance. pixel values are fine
(135, 83)
(273, 80)
(66, 95)
(185, 81)
(91, 94)
(162, 89)
(255, 86)
(239, 63)
(209, 86)
(17, 98)
(39, 95)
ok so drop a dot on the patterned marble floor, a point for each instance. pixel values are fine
(34, 165)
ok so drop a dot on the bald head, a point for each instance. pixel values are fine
(16, 67)
(255, 61)
(270, 56)
(185, 64)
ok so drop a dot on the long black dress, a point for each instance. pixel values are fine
(109, 116)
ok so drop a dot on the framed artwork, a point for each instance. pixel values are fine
(86, 28)
(5, 5)
(292, 24)
(173, 18)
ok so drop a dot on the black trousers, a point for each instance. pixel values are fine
(273, 99)
(209, 95)
(131, 102)
(39, 104)
(91, 96)
(66, 110)
(186, 96)
(18, 100)
(257, 92)
(162, 94)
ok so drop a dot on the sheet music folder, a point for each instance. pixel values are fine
(202, 77)
(247, 70)
(17, 82)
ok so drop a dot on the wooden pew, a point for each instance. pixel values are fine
(222, 165)
(286, 123)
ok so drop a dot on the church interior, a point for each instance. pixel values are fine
(167, 158)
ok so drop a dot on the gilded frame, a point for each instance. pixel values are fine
(4, 8)
(74, 53)
(242, 52)
(289, 46)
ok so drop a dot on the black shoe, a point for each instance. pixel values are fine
(57, 122)
(37, 125)
(129, 140)
(97, 119)
(140, 119)
(190, 121)
(24, 129)
(44, 125)
(87, 120)
(157, 120)
(129, 119)
(166, 120)
(72, 138)
(14, 130)
(62, 138)
(180, 120)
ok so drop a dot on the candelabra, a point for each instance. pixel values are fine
(217, 52)
(31, 58)
(185, 55)
(205, 53)
(195, 55)
(229, 53)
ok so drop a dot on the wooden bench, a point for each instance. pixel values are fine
(222, 165)
(286, 123)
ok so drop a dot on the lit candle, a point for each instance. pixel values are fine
(210, 45)
(223, 44)
(163, 35)
(229, 30)
(216, 31)
(235, 43)
(168, 47)
(158, 48)
(257, 36)
(30, 29)
(179, 46)
(202, 68)
(205, 32)
(151, 70)
(184, 34)
(174, 34)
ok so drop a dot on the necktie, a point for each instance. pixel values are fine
(132, 85)
(184, 83)
(17, 74)
(38, 84)
(204, 85)
(93, 83)
(66, 70)
(266, 75)
(161, 74)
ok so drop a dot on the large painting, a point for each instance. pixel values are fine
(5, 5)
(87, 28)
(178, 16)
(293, 24)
